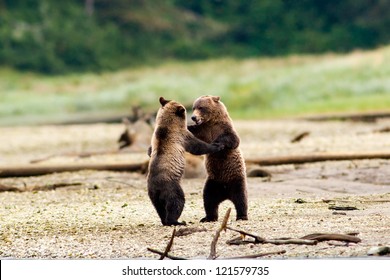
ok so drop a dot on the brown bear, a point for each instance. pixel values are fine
(226, 174)
(170, 140)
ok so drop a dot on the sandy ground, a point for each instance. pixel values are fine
(109, 215)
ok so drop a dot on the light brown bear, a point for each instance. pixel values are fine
(226, 174)
(170, 140)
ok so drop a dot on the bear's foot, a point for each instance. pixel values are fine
(176, 223)
(206, 219)
(244, 218)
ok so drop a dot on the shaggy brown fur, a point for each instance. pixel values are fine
(169, 142)
(225, 169)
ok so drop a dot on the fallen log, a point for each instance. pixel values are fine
(35, 170)
(315, 158)
(357, 117)
(4, 188)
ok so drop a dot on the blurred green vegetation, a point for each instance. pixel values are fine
(54, 37)
(268, 58)
(252, 88)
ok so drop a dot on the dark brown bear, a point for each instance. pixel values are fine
(225, 169)
(170, 140)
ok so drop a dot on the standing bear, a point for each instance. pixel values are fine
(226, 174)
(170, 140)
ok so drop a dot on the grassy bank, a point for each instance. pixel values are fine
(253, 88)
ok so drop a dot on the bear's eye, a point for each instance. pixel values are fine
(200, 108)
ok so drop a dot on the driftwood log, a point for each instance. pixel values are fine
(4, 188)
(35, 170)
(316, 158)
(357, 117)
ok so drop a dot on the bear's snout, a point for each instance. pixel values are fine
(196, 119)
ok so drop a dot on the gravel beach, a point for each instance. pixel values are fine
(107, 215)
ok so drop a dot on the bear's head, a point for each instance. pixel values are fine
(171, 113)
(208, 108)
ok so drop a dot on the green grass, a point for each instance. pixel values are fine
(251, 89)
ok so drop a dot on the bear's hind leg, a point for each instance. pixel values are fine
(160, 206)
(213, 194)
(174, 210)
(174, 207)
(239, 198)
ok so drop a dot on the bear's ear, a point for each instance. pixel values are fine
(215, 98)
(180, 111)
(163, 101)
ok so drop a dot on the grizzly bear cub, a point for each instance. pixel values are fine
(226, 174)
(170, 140)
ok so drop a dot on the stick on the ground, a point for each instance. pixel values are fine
(188, 230)
(168, 255)
(169, 245)
(261, 240)
(332, 236)
(333, 200)
(342, 208)
(258, 239)
(256, 255)
(299, 137)
(213, 250)
(291, 241)
(55, 186)
(361, 201)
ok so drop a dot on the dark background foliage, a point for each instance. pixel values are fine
(54, 37)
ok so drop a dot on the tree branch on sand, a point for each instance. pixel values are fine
(213, 249)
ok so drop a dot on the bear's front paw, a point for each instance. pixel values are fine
(218, 146)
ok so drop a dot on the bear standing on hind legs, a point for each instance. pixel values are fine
(226, 174)
(170, 140)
